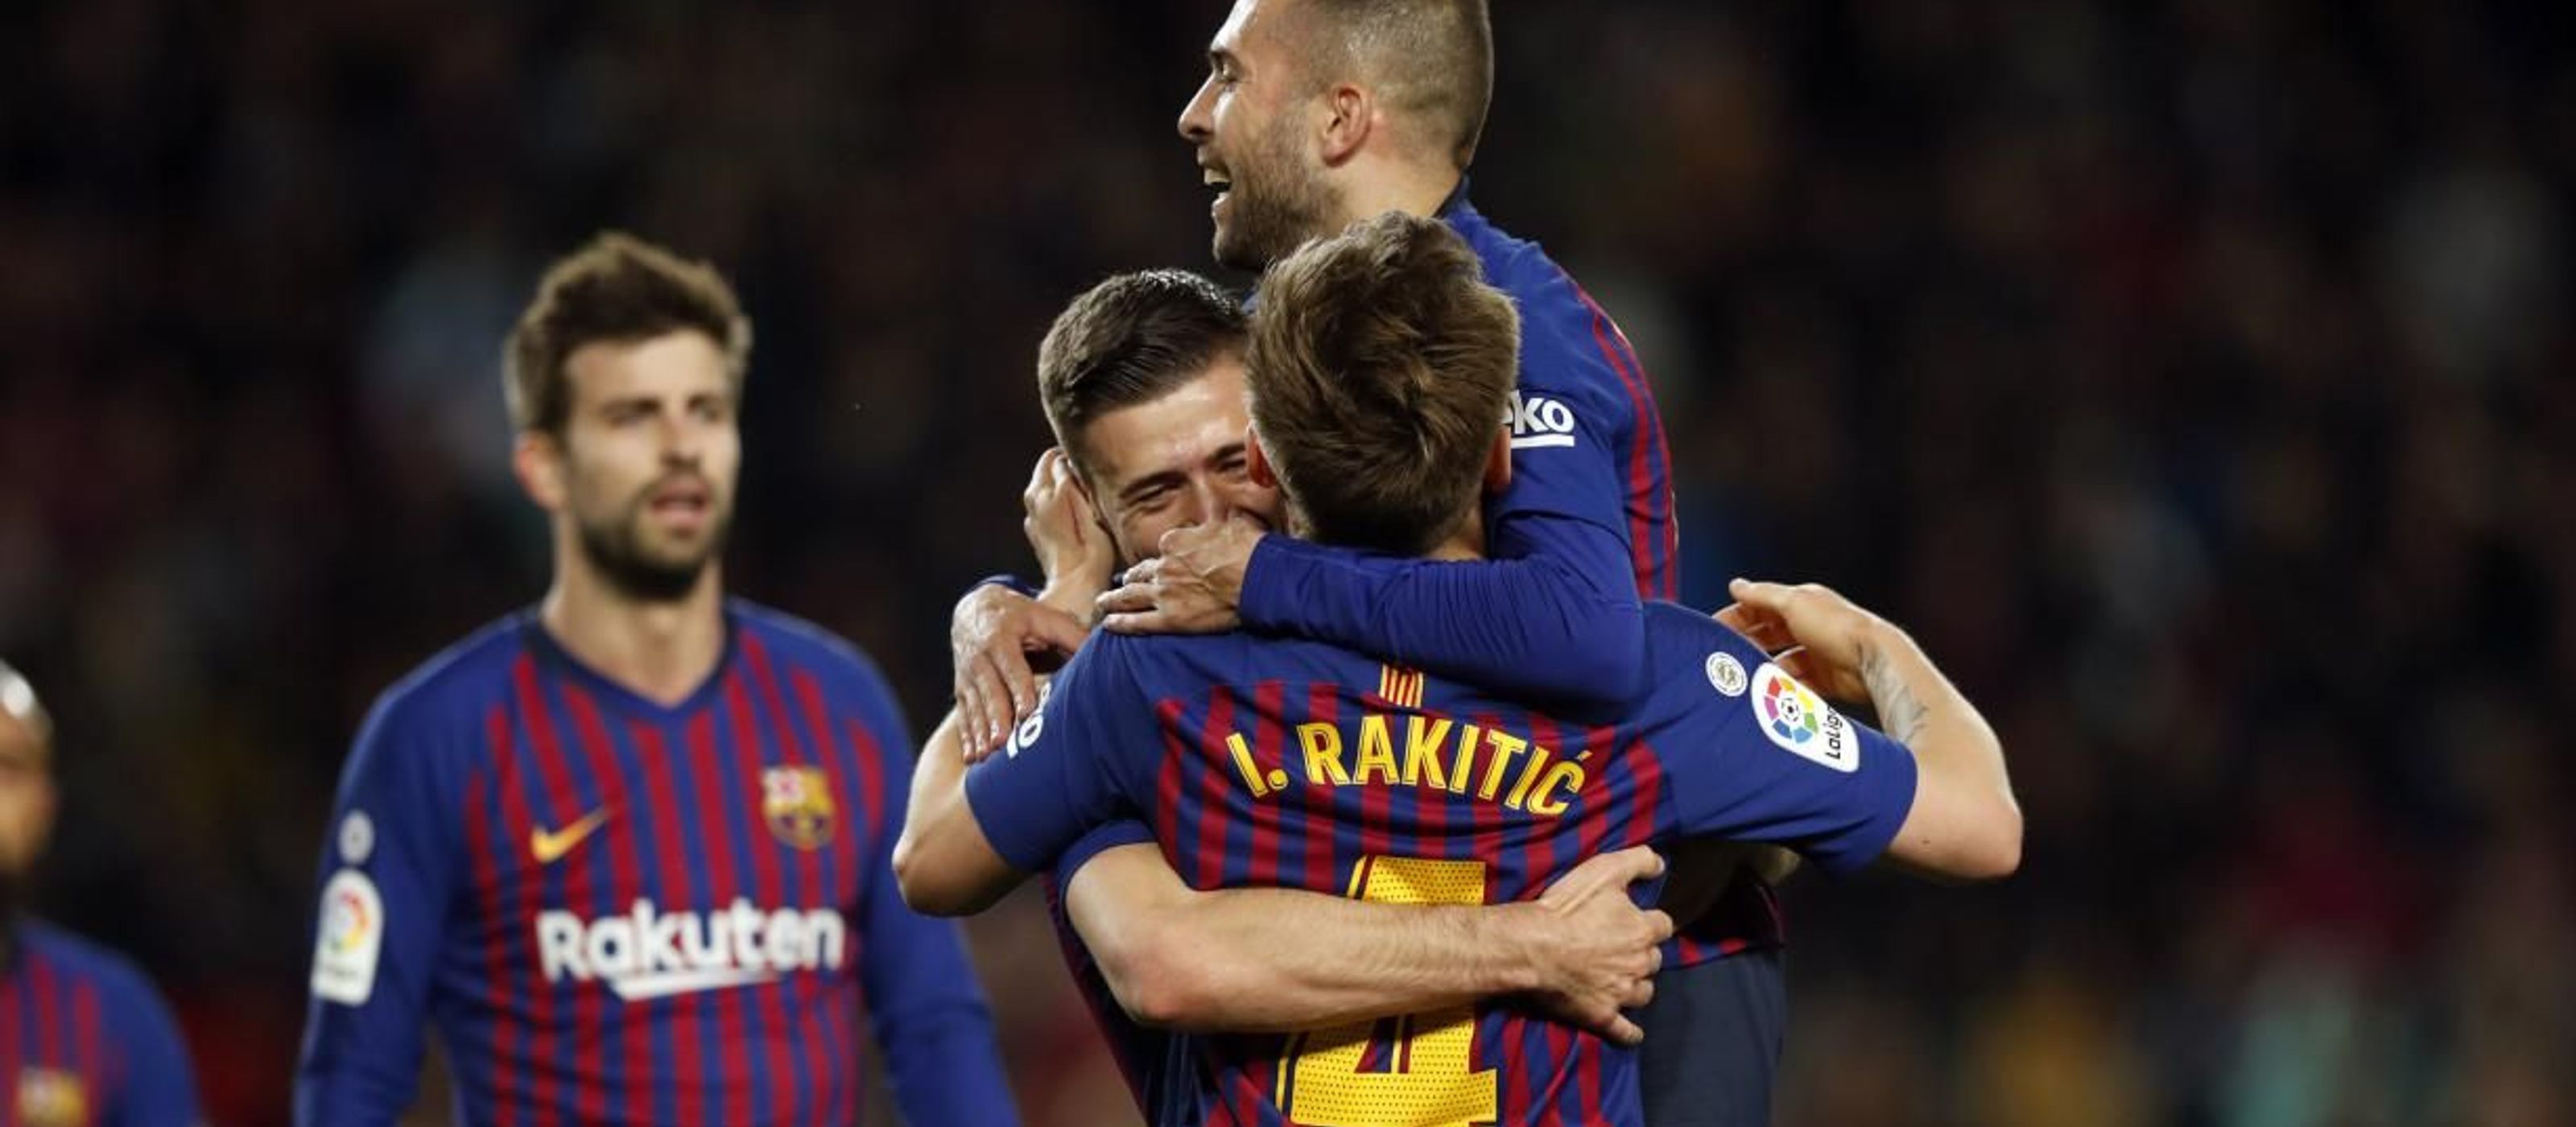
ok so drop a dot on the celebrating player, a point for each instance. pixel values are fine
(1142, 379)
(1316, 113)
(83, 1037)
(1376, 365)
(629, 849)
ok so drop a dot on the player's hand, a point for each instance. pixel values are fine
(991, 638)
(1073, 550)
(1193, 587)
(1816, 636)
(1597, 950)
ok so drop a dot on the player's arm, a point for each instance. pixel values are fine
(1275, 960)
(1963, 822)
(924, 1006)
(386, 877)
(1752, 752)
(971, 835)
(1552, 613)
(159, 1088)
(944, 864)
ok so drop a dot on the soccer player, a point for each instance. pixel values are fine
(1316, 113)
(628, 849)
(1142, 379)
(1377, 364)
(83, 1037)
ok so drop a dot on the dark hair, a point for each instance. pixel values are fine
(1432, 60)
(1131, 340)
(618, 289)
(1380, 369)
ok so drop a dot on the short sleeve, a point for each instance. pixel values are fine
(1057, 776)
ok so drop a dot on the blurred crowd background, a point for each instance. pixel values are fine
(2191, 377)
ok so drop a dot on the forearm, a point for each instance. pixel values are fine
(1560, 623)
(1956, 752)
(1274, 960)
(940, 833)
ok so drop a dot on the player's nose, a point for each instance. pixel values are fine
(1194, 124)
(683, 438)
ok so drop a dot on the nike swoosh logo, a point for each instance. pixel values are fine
(549, 846)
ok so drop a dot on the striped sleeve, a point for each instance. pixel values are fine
(387, 874)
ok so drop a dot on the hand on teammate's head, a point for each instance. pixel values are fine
(1075, 553)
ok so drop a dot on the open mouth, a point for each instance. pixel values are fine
(681, 500)
(1218, 183)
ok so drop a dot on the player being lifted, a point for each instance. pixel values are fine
(83, 1037)
(628, 849)
(1316, 113)
(1376, 366)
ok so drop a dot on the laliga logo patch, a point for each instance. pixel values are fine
(352, 935)
(797, 803)
(1795, 718)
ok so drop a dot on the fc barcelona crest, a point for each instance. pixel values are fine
(797, 804)
(52, 1097)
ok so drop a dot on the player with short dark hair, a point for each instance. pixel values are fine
(84, 1039)
(628, 849)
(1266, 761)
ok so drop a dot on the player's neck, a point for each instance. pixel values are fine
(1468, 543)
(1405, 188)
(660, 650)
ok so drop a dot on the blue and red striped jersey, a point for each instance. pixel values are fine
(1583, 532)
(1272, 762)
(84, 1039)
(619, 911)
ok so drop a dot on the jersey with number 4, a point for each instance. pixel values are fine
(1270, 762)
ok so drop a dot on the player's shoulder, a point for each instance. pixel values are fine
(1570, 349)
(459, 683)
(1512, 264)
(802, 642)
(1170, 664)
(1679, 639)
(79, 959)
(1672, 624)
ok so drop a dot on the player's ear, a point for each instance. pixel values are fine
(537, 460)
(1256, 462)
(1350, 115)
(1498, 463)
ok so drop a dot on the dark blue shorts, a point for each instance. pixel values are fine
(1713, 1037)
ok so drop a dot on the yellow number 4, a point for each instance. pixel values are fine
(1429, 1081)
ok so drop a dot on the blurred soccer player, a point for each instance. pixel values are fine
(1316, 113)
(84, 1039)
(628, 849)
(1377, 363)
